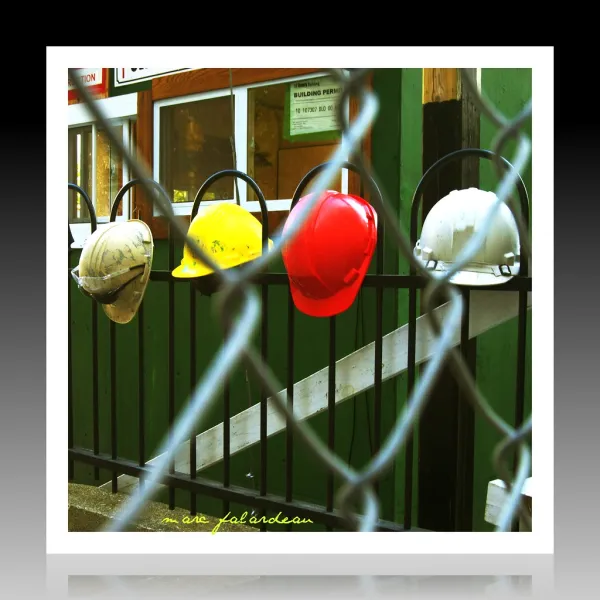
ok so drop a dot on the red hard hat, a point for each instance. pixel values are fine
(329, 256)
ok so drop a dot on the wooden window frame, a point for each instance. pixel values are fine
(199, 81)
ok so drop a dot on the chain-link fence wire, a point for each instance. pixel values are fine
(357, 485)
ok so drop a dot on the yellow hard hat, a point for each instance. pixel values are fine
(114, 267)
(228, 233)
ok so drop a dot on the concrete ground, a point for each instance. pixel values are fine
(90, 508)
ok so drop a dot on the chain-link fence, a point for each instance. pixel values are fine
(357, 499)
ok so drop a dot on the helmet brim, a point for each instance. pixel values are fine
(468, 279)
(480, 279)
(476, 276)
(186, 271)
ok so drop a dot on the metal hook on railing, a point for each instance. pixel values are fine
(378, 292)
(209, 284)
(478, 402)
(351, 167)
(121, 194)
(462, 154)
(244, 177)
(93, 226)
(90, 207)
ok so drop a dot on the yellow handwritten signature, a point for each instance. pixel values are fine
(233, 520)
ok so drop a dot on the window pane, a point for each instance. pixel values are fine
(109, 173)
(195, 144)
(292, 127)
(80, 155)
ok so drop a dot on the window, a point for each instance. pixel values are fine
(282, 129)
(94, 164)
(195, 143)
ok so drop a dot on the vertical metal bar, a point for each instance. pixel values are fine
(464, 429)
(331, 408)
(378, 375)
(521, 356)
(95, 417)
(226, 384)
(171, 415)
(95, 405)
(141, 392)
(408, 466)
(113, 399)
(93, 170)
(378, 346)
(126, 124)
(112, 339)
(226, 437)
(263, 396)
(520, 378)
(193, 466)
(289, 432)
(70, 370)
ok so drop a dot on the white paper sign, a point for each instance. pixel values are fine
(313, 105)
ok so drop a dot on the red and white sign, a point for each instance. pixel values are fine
(93, 79)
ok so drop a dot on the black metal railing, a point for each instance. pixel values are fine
(262, 500)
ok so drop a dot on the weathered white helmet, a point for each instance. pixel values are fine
(114, 268)
(453, 221)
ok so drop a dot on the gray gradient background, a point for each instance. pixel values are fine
(26, 571)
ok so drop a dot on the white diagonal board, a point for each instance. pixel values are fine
(354, 375)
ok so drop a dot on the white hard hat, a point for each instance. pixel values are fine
(451, 223)
(114, 267)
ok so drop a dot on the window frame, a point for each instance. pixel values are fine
(241, 136)
(119, 111)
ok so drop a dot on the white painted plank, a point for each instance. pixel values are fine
(496, 497)
(354, 375)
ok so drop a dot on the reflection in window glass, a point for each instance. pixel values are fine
(195, 144)
(109, 173)
(79, 172)
(291, 129)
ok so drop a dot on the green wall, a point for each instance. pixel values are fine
(509, 90)
(397, 162)
(410, 169)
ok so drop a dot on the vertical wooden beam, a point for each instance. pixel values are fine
(248, 145)
(450, 122)
(142, 206)
(354, 182)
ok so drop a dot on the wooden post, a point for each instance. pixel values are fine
(450, 122)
